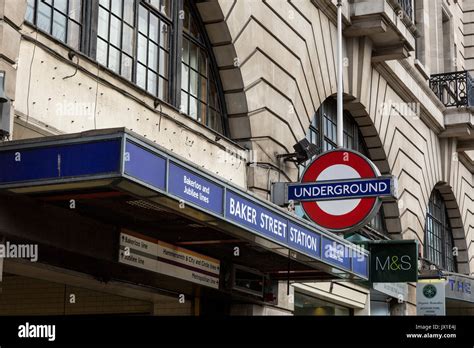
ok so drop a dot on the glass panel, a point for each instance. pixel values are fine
(59, 26)
(193, 29)
(193, 83)
(127, 39)
(163, 89)
(30, 11)
(141, 76)
(74, 35)
(117, 7)
(215, 121)
(164, 63)
(105, 3)
(202, 89)
(143, 20)
(184, 103)
(164, 36)
(213, 95)
(193, 107)
(101, 51)
(115, 31)
(184, 77)
(193, 55)
(185, 17)
(154, 28)
(142, 48)
(153, 56)
(152, 82)
(61, 5)
(129, 11)
(155, 3)
(202, 62)
(44, 17)
(185, 52)
(127, 65)
(114, 59)
(202, 113)
(103, 26)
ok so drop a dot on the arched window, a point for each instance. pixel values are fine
(159, 45)
(438, 234)
(199, 86)
(322, 132)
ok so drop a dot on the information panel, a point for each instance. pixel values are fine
(160, 257)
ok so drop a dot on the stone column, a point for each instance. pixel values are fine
(12, 14)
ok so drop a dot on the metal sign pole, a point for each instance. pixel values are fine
(340, 87)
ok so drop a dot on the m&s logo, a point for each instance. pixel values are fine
(393, 263)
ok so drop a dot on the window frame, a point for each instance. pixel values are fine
(85, 4)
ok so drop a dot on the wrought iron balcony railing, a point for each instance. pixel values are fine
(407, 6)
(454, 89)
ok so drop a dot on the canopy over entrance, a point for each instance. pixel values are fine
(123, 180)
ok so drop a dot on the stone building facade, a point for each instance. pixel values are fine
(275, 66)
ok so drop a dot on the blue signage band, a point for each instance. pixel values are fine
(122, 155)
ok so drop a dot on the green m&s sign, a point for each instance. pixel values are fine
(393, 261)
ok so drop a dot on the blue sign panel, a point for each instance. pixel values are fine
(360, 264)
(260, 220)
(304, 240)
(336, 253)
(328, 190)
(60, 161)
(145, 165)
(194, 188)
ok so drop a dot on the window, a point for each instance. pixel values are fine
(322, 132)
(438, 234)
(59, 18)
(199, 98)
(115, 35)
(153, 53)
(142, 41)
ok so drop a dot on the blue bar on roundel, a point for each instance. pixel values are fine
(345, 189)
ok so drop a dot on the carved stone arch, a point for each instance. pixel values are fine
(457, 226)
(227, 64)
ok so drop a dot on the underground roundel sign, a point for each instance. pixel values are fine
(340, 190)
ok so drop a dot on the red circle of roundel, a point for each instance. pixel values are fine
(360, 212)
